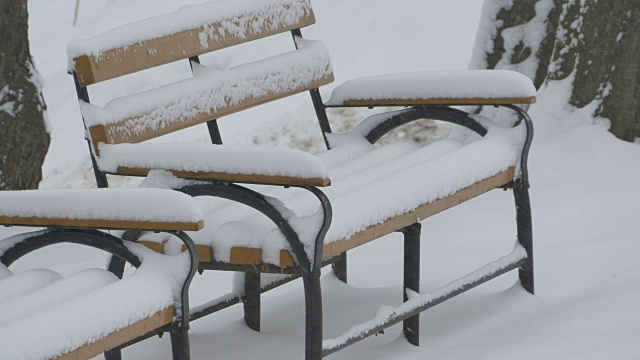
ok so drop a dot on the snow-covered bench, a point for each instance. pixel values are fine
(274, 224)
(44, 315)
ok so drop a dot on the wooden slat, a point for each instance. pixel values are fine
(439, 101)
(239, 178)
(125, 131)
(246, 256)
(100, 224)
(286, 259)
(147, 54)
(421, 213)
(205, 253)
(120, 337)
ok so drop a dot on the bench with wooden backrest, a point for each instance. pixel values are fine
(44, 315)
(365, 192)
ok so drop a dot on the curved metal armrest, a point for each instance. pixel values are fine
(382, 125)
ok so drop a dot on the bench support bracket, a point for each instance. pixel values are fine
(340, 267)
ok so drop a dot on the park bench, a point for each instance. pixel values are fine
(283, 211)
(44, 315)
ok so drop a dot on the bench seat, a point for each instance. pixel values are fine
(87, 313)
(468, 87)
(207, 162)
(375, 191)
(143, 209)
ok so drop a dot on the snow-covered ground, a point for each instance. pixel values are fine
(585, 200)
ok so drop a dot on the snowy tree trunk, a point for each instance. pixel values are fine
(599, 44)
(24, 139)
(517, 35)
(594, 42)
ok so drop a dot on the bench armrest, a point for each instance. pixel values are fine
(226, 163)
(466, 87)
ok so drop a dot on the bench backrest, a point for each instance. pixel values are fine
(185, 34)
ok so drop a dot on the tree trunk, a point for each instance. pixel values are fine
(24, 139)
(600, 48)
(595, 42)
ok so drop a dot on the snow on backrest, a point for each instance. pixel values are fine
(207, 96)
(190, 31)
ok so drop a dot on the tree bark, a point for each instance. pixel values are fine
(599, 47)
(24, 139)
(594, 42)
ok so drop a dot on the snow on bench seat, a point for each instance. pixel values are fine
(213, 94)
(375, 191)
(98, 316)
(209, 162)
(190, 31)
(15, 286)
(52, 294)
(144, 209)
(466, 87)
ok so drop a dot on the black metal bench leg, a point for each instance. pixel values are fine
(180, 345)
(525, 234)
(115, 354)
(313, 319)
(340, 267)
(252, 300)
(411, 326)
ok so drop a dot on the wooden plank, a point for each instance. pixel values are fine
(100, 224)
(439, 101)
(239, 178)
(246, 256)
(421, 213)
(120, 337)
(147, 54)
(286, 259)
(205, 252)
(125, 131)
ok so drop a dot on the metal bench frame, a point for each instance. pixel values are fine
(309, 265)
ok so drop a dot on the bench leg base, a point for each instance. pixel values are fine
(252, 300)
(411, 326)
(340, 267)
(525, 234)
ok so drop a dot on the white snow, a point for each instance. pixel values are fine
(67, 288)
(4, 272)
(484, 84)
(208, 158)
(366, 190)
(187, 99)
(26, 282)
(386, 313)
(585, 228)
(235, 17)
(101, 204)
(93, 315)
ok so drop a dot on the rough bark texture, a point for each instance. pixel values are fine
(600, 42)
(24, 140)
(597, 41)
(519, 13)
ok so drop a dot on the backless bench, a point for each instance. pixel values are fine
(45, 316)
(286, 211)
